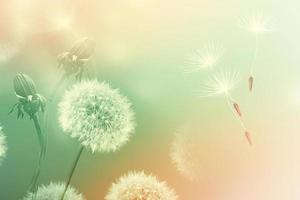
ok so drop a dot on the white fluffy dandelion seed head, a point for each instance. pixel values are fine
(257, 23)
(220, 83)
(97, 115)
(139, 186)
(3, 147)
(206, 57)
(54, 191)
(185, 154)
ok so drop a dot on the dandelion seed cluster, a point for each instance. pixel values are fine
(97, 115)
(3, 147)
(257, 23)
(139, 186)
(185, 153)
(205, 58)
(220, 83)
(53, 191)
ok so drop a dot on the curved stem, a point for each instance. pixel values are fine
(72, 172)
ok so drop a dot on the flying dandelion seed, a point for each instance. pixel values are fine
(185, 154)
(53, 191)
(256, 24)
(205, 58)
(139, 186)
(3, 147)
(99, 117)
(221, 84)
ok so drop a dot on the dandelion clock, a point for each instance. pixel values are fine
(139, 186)
(53, 192)
(99, 117)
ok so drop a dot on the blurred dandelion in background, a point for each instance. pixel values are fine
(99, 117)
(206, 57)
(75, 61)
(257, 24)
(53, 191)
(3, 146)
(221, 84)
(7, 52)
(185, 153)
(139, 186)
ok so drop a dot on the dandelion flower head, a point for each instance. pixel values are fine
(139, 186)
(97, 115)
(54, 191)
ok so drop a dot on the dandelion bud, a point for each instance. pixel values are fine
(250, 82)
(237, 108)
(24, 85)
(83, 49)
(29, 100)
(248, 137)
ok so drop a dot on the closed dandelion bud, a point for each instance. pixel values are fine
(29, 100)
(83, 48)
(24, 86)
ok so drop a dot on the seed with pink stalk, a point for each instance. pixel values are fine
(237, 108)
(250, 83)
(248, 137)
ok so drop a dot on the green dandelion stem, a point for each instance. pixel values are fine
(72, 172)
(57, 86)
(42, 153)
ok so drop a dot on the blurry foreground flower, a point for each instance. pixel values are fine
(3, 147)
(185, 153)
(99, 117)
(256, 24)
(221, 84)
(53, 191)
(75, 60)
(205, 58)
(139, 186)
(30, 102)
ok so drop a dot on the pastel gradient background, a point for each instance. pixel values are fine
(141, 49)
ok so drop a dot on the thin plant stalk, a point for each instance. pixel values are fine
(251, 77)
(57, 86)
(43, 147)
(234, 107)
(72, 172)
